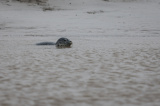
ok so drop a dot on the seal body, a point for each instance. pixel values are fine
(46, 43)
(61, 43)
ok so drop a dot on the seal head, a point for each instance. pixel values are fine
(63, 42)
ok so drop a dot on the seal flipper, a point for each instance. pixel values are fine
(46, 43)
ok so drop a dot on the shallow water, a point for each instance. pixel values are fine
(109, 71)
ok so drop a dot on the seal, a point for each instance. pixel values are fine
(61, 43)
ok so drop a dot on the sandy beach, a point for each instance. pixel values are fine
(114, 59)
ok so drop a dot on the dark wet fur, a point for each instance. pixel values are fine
(46, 43)
(61, 43)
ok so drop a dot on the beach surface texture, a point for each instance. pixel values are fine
(114, 59)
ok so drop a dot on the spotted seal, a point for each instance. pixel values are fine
(61, 43)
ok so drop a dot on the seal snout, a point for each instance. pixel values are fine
(70, 42)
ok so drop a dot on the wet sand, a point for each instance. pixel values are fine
(96, 71)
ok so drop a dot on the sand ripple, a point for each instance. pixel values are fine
(112, 71)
